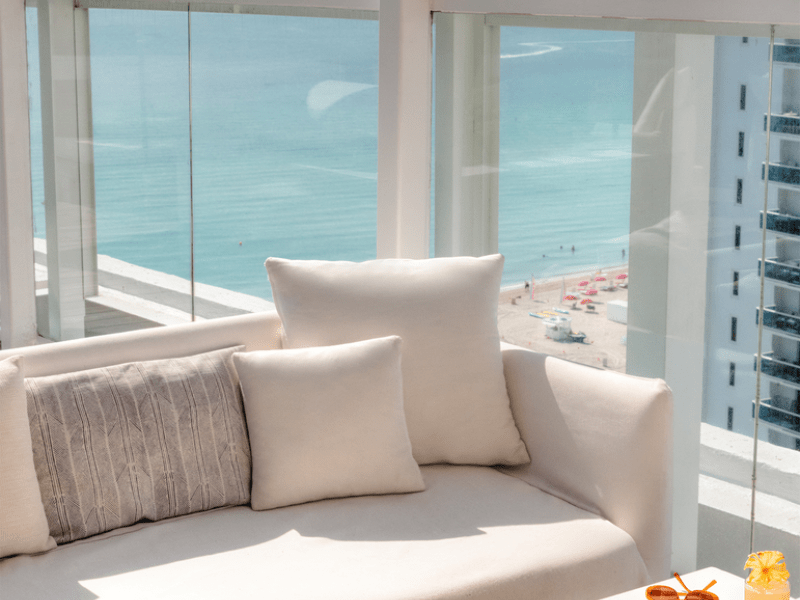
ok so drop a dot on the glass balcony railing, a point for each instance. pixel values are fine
(787, 54)
(779, 369)
(785, 272)
(778, 417)
(779, 321)
(787, 174)
(787, 124)
(781, 223)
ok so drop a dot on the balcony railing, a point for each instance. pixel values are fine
(781, 223)
(785, 174)
(779, 369)
(788, 124)
(781, 322)
(786, 54)
(133, 297)
(781, 418)
(783, 272)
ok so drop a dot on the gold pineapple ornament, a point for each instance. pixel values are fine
(769, 579)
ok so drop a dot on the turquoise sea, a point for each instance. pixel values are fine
(283, 150)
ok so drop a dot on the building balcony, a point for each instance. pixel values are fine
(780, 418)
(132, 297)
(781, 223)
(783, 371)
(785, 124)
(783, 174)
(782, 272)
(784, 53)
(780, 322)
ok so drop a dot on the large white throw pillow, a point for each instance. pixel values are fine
(445, 310)
(327, 423)
(23, 524)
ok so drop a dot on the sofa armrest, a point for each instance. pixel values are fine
(600, 440)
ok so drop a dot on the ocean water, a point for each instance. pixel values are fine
(283, 149)
(565, 150)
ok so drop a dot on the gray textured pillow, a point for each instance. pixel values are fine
(138, 441)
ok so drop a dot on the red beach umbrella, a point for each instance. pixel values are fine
(590, 292)
(599, 278)
(583, 283)
(570, 297)
(586, 301)
(622, 276)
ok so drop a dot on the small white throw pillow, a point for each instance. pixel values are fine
(23, 524)
(445, 310)
(326, 423)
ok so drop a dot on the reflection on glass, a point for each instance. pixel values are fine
(284, 120)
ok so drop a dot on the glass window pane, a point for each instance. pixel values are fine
(565, 184)
(140, 128)
(37, 173)
(284, 117)
(110, 168)
(645, 153)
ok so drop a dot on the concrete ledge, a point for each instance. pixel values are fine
(130, 296)
(728, 456)
(723, 537)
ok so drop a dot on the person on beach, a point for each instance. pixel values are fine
(573, 249)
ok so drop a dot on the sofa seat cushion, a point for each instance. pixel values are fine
(473, 533)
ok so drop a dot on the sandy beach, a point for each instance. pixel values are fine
(604, 345)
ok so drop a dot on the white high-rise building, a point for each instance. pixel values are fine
(741, 73)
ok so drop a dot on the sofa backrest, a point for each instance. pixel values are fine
(257, 331)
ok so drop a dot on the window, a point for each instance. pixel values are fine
(733, 329)
(598, 145)
(737, 237)
(744, 40)
(730, 418)
(739, 189)
(735, 284)
(260, 142)
(742, 97)
(732, 375)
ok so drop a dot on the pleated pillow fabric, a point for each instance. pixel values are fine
(138, 441)
(327, 423)
(23, 524)
(445, 310)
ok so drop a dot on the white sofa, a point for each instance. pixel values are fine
(588, 517)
